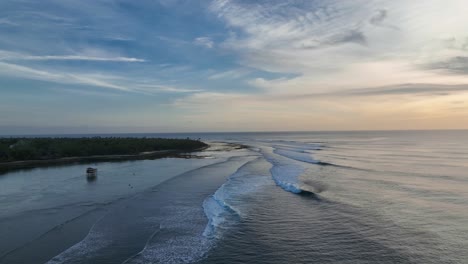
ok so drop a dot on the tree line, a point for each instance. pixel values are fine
(18, 149)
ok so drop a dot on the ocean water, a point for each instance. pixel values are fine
(318, 197)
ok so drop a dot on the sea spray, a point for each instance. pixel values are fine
(214, 212)
(225, 204)
(288, 166)
(285, 174)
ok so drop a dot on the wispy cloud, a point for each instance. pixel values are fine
(408, 89)
(411, 89)
(84, 58)
(13, 70)
(379, 16)
(369, 108)
(325, 42)
(165, 88)
(255, 64)
(7, 22)
(204, 41)
(115, 82)
(457, 65)
(378, 19)
(351, 36)
(14, 56)
(230, 74)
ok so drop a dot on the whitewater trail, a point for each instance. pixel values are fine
(180, 230)
(289, 163)
(226, 203)
(182, 220)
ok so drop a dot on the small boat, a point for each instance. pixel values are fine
(91, 173)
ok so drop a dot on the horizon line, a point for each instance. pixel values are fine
(231, 132)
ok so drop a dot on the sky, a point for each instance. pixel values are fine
(101, 66)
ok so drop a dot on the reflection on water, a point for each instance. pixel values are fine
(324, 197)
(91, 179)
(35, 202)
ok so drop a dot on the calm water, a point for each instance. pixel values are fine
(323, 197)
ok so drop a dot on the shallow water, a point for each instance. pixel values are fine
(324, 197)
(47, 210)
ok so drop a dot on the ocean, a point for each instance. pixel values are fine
(295, 197)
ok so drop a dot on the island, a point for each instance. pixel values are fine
(30, 152)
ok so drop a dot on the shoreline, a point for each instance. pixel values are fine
(30, 164)
(132, 209)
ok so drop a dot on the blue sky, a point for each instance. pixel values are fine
(177, 66)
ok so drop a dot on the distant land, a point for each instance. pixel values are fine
(29, 152)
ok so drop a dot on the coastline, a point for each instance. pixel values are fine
(27, 164)
(67, 222)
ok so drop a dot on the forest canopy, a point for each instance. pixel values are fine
(20, 149)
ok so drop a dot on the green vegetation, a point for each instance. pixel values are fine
(21, 149)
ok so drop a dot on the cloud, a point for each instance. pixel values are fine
(316, 40)
(370, 108)
(82, 58)
(303, 37)
(204, 41)
(456, 65)
(407, 89)
(351, 36)
(378, 17)
(115, 82)
(165, 88)
(276, 62)
(7, 22)
(14, 56)
(230, 74)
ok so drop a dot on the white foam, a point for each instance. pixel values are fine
(177, 249)
(287, 177)
(225, 202)
(285, 171)
(177, 240)
(214, 212)
(93, 242)
(193, 238)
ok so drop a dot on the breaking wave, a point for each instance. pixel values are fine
(289, 163)
(225, 204)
